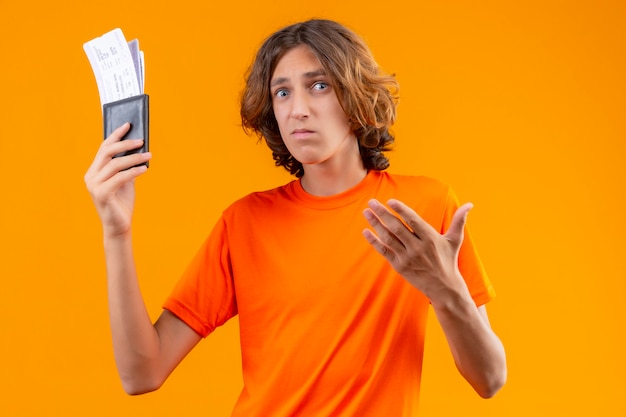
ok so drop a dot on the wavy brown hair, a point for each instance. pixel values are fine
(367, 95)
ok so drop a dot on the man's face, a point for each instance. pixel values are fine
(312, 123)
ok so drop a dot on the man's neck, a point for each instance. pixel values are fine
(322, 182)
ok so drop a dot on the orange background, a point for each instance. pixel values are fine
(518, 105)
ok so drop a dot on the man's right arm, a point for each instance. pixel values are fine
(145, 353)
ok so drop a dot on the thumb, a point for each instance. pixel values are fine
(455, 231)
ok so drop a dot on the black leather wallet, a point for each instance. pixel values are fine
(133, 109)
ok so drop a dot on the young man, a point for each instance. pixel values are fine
(331, 287)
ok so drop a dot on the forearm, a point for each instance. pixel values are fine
(478, 352)
(135, 340)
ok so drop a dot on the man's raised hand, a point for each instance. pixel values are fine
(424, 257)
(110, 180)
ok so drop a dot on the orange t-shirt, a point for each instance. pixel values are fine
(328, 328)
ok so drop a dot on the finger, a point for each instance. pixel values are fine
(114, 167)
(108, 150)
(118, 133)
(113, 144)
(419, 226)
(379, 246)
(126, 176)
(123, 163)
(108, 188)
(113, 149)
(385, 242)
(116, 173)
(457, 225)
(391, 231)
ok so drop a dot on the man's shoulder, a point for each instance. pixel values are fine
(258, 199)
(411, 183)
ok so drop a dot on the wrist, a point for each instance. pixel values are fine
(453, 301)
(452, 297)
(116, 238)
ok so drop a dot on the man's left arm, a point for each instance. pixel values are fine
(428, 260)
(478, 352)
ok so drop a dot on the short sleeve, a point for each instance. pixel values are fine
(470, 265)
(204, 297)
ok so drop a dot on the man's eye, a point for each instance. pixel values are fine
(320, 85)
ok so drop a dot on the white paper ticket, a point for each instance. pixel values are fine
(118, 72)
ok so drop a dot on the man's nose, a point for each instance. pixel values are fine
(299, 105)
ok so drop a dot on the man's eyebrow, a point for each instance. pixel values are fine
(278, 81)
(316, 73)
(309, 74)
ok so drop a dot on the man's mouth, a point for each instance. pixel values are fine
(301, 133)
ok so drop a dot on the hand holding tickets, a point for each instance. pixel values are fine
(118, 66)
